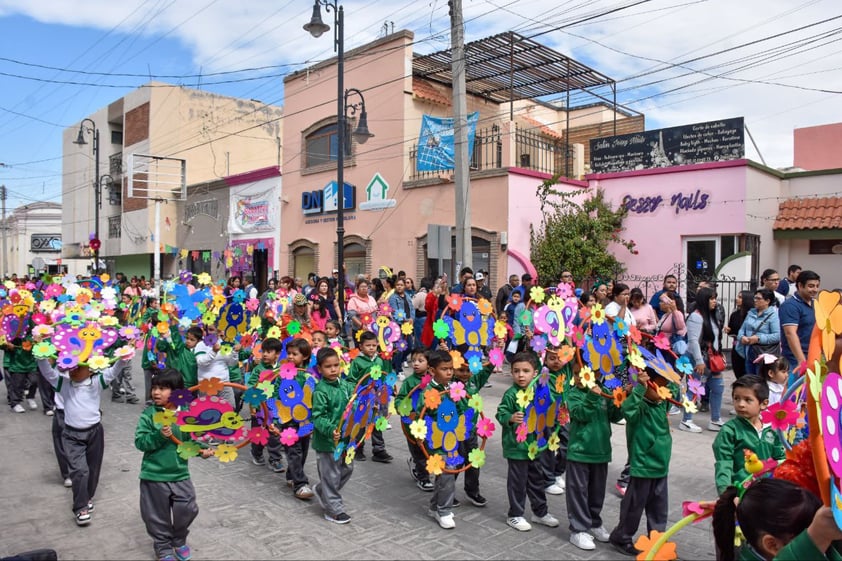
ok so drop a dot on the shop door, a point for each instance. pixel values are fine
(260, 260)
(701, 256)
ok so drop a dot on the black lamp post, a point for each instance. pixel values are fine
(80, 140)
(316, 27)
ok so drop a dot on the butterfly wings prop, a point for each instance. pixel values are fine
(82, 342)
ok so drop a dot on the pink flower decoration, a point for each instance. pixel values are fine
(53, 291)
(661, 341)
(520, 432)
(704, 509)
(696, 386)
(495, 356)
(259, 436)
(485, 428)
(289, 436)
(781, 415)
(564, 291)
(579, 336)
(457, 391)
(252, 304)
(288, 371)
(39, 319)
(426, 379)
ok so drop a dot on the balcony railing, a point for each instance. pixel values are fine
(115, 164)
(115, 227)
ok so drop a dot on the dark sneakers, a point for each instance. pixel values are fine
(382, 457)
(360, 456)
(625, 548)
(426, 486)
(340, 518)
(477, 500)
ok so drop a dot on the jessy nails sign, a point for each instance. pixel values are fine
(681, 202)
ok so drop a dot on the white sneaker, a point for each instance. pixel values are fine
(18, 408)
(519, 523)
(546, 520)
(621, 422)
(559, 480)
(689, 426)
(554, 489)
(600, 534)
(68, 483)
(715, 426)
(447, 521)
(32, 404)
(719, 423)
(49, 413)
(582, 540)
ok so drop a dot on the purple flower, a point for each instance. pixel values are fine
(539, 343)
(67, 361)
(185, 277)
(696, 387)
(211, 339)
(181, 397)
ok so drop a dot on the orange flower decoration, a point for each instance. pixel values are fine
(26, 345)
(432, 399)
(454, 302)
(435, 464)
(559, 383)
(484, 307)
(646, 543)
(458, 361)
(829, 319)
(82, 299)
(619, 396)
(163, 327)
(167, 308)
(634, 334)
(211, 386)
(566, 354)
(664, 392)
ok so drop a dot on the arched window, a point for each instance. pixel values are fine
(355, 259)
(303, 261)
(322, 145)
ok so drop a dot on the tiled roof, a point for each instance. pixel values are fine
(428, 92)
(810, 214)
(542, 127)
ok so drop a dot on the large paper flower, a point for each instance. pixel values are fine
(259, 436)
(646, 543)
(621, 328)
(636, 359)
(684, 365)
(375, 372)
(597, 314)
(566, 354)
(457, 391)
(440, 329)
(418, 429)
(500, 330)
(475, 402)
(485, 427)
(477, 458)
(521, 432)
(166, 417)
(44, 349)
(526, 318)
(293, 328)
(495, 357)
(350, 454)
(188, 449)
(484, 306)
(696, 387)
(180, 397)
(42, 331)
(458, 361)
(532, 450)
(266, 386)
(587, 377)
(559, 383)
(98, 362)
(454, 302)
(689, 406)
(289, 436)
(524, 397)
(828, 319)
(432, 399)
(619, 396)
(288, 371)
(210, 386)
(536, 294)
(538, 343)
(661, 341)
(579, 337)
(781, 415)
(664, 392)
(435, 464)
(554, 442)
(226, 453)
(634, 334)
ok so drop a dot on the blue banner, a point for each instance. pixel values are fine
(435, 144)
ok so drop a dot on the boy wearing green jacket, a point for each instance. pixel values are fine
(650, 447)
(588, 456)
(330, 398)
(180, 355)
(525, 477)
(473, 384)
(554, 463)
(360, 366)
(417, 461)
(167, 497)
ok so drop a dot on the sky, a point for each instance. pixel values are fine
(774, 62)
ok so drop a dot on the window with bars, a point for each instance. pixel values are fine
(115, 226)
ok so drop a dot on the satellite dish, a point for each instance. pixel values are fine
(836, 249)
(38, 264)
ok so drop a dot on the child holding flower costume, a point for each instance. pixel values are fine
(473, 384)
(360, 366)
(417, 460)
(745, 432)
(167, 497)
(329, 401)
(179, 352)
(270, 351)
(525, 477)
(294, 413)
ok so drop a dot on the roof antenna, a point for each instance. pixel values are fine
(753, 143)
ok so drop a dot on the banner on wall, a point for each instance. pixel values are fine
(254, 208)
(435, 143)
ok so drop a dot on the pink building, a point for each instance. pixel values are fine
(818, 147)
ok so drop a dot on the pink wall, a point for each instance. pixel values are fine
(818, 147)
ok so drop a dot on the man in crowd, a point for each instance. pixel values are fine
(771, 279)
(671, 287)
(787, 286)
(482, 286)
(798, 318)
(504, 293)
(464, 274)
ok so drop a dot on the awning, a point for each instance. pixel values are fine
(809, 218)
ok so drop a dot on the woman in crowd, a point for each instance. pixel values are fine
(761, 327)
(702, 340)
(359, 304)
(325, 293)
(743, 303)
(644, 316)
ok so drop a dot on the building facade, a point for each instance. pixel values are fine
(34, 241)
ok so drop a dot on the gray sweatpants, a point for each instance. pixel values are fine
(58, 445)
(585, 494)
(444, 492)
(642, 494)
(333, 475)
(167, 508)
(83, 449)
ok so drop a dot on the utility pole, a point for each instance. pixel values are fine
(5, 232)
(461, 175)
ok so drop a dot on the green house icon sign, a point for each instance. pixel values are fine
(376, 193)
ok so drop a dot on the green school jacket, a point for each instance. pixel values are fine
(800, 548)
(180, 357)
(160, 461)
(648, 434)
(512, 449)
(329, 402)
(362, 364)
(20, 360)
(591, 415)
(737, 435)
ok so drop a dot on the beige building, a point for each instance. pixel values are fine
(216, 136)
(34, 241)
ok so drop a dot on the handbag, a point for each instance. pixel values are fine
(768, 348)
(716, 360)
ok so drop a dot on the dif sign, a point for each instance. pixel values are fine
(325, 200)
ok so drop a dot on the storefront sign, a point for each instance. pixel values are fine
(325, 200)
(714, 141)
(681, 202)
(377, 192)
(208, 208)
(45, 242)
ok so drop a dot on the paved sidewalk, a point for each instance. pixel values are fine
(247, 512)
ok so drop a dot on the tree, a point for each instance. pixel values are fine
(575, 236)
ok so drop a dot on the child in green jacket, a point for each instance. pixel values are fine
(650, 447)
(329, 401)
(167, 497)
(360, 366)
(525, 477)
(588, 456)
(298, 352)
(271, 348)
(473, 384)
(417, 460)
(745, 432)
(555, 463)
(180, 355)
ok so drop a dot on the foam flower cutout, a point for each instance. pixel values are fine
(702, 509)
(259, 436)
(210, 386)
(485, 427)
(165, 417)
(828, 319)
(440, 329)
(566, 354)
(536, 294)
(44, 349)
(432, 399)
(696, 387)
(495, 357)
(484, 306)
(500, 330)
(252, 304)
(476, 457)
(98, 362)
(683, 364)
(538, 343)
(458, 361)
(289, 436)
(163, 328)
(815, 378)
(521, 432)
(457, 391)
(646, 543)
(585, 314)
(621, 328)
(293, 328)
(47, 306)
(288, 371)
(42, 331)
(475, 364)
(435, 464)
(274, 332)
(391, 379)
(526, 318)
(267, 387)
(532, 450)
(350, 454)
(563, 415)
(689, 406)
(185, 322)
(188, 449)
(587, 377)
(125, 352)
(109, 321)
(559, 383)
(597, 314)
(418, 429)
(204, 279)
(524, 397)
(376, 372)
(454, 302)
(554, 442)
(636, 359)
(401, 345)
(226, 453)
(180, 397)
(405, 407)
(391, 408)
(664, 392)
(619, 396)
(781, 415)
(579, 336)
(661, 341)
(635, 335)
(130, 332)
(406, 328)
(381, 424)
(475, 402)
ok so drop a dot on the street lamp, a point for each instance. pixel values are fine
(95, 243)
(316, 27)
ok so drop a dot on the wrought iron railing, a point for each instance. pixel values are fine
(115, 227)
(115, 164)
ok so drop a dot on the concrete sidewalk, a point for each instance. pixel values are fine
(247, 512)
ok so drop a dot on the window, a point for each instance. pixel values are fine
(825, 247)
(322, 145)
(115, 194)
(115, 226)
(480, 254)
(117, 137)
(303, 261)
(354, 257)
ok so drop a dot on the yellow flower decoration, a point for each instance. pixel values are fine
(350, 454)
(47, 305)
(435, 464)
(554, 442)
(636, 359)
(664, 392)
(532, 450)
(476, 457)
(165, 417)
(109, 321)
(406, 328)
(418, 429)
(392, 409)
(219, 300)
(500, 329)
(9, 284)
(597, 314)
(267, 387)
(522, 398)
(255, 322)
(689, 406)
(536, 294)
(225, 452)
(587, 377)
(274, 331)
(204, 279)
(98, 362)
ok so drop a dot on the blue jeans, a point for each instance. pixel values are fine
(715, 388)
